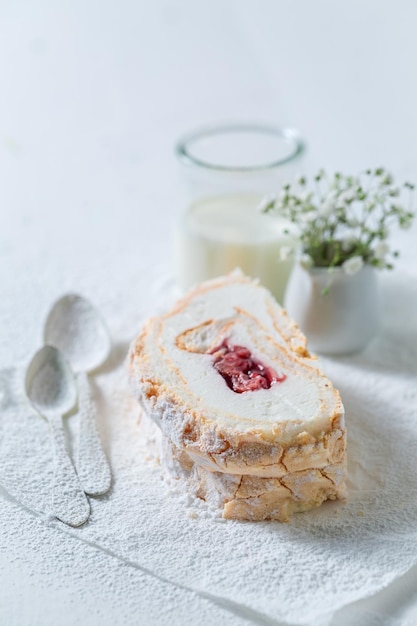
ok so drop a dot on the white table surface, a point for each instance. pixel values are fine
(93, 95)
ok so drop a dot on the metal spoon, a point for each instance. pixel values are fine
(75, 327)
(51, 389)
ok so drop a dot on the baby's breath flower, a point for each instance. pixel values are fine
(394, 192)
(300, 180)
(320, 174)
(306, 219)
(381, 250)
(326, 208)
(306, 261)
(341, 214)
(353, 222)
(267, 203)
(406, 220)
(306, 196)
(346, 197)
(369, 206)
(353, 265)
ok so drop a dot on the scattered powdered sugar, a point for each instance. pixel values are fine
(299, 572)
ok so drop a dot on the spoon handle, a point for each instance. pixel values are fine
(70, 504)
(93, 467)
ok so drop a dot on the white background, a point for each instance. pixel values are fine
(93, 95)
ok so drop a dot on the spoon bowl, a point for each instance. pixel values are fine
(76, 327)
(50, 384)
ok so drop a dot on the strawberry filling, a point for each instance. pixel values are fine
(241, 371)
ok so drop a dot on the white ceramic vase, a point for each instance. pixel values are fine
(345, 318)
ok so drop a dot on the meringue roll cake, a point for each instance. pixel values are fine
(244, 415)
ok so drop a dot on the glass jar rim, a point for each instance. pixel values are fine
(287, 134)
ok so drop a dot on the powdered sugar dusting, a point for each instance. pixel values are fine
(298, 572)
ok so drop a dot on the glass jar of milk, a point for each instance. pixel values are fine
(228, 171)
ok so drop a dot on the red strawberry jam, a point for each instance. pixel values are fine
(241, 371)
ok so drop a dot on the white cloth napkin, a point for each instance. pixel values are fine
(300, 572)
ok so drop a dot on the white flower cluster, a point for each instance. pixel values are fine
(344, 221)
(353, 265)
